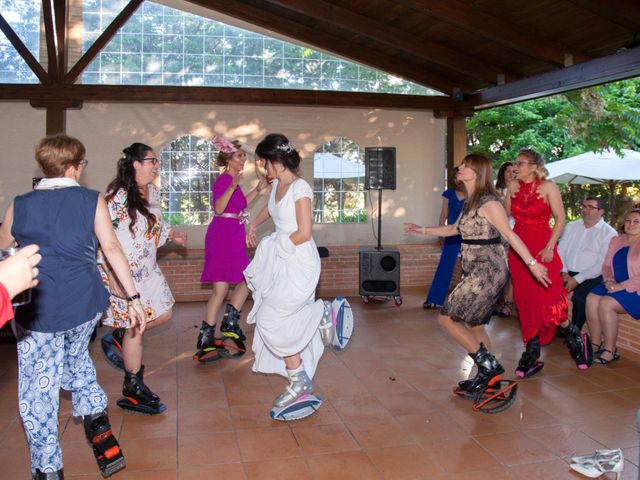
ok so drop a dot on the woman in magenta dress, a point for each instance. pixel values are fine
(225, 252)
(532, 201)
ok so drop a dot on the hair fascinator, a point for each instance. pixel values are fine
(223, 145)
(285, 147)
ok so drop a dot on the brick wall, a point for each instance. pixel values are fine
(339, 271)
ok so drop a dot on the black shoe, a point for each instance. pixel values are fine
(208, 348)
(112, 348)
(529, 363)
(230, 326)
(579, 345)
(105, 446)
(137, 397)
(59, 475)
(489, 370)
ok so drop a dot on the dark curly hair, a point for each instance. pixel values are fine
(126, 180)
(276, 148)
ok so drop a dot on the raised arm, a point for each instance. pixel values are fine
(443, 231)
(262, 184)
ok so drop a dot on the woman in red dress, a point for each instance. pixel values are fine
(532, 201)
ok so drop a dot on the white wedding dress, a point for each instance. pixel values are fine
(284, 310)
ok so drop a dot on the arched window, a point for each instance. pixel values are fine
(188, 171)
(338, 171)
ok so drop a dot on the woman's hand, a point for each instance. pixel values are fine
(412, 228)
(540, 272)
(137, 316)
(546, 254)
(252, 239)
(613, 287)
(19, 272)
(236, 179)
(262, 184)
(179, 237)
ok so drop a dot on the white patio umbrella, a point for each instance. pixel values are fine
(328, 165)
(606, 167)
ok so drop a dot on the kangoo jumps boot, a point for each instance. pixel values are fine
(207, 348)
(299, 385)
(105, 446)
(230, 326)
(489, 371)
(529, 363)
(579, 345)
(38, 475)
(137, 397)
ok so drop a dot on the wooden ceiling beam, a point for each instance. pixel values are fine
(73, 94)
(262, 17)
(429, 51)
(50, 39)
(102, 40)
(23, 51)
(624, 13)
(513, 36)
(61, 21)
(619, 66)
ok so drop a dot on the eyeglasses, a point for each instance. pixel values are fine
(154, 161)
(590, 207)
(520, 163)
(84, 162)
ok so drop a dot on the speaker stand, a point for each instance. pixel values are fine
(379, 219)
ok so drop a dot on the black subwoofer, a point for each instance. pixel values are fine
(379, 272)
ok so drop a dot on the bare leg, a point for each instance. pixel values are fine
(293, 361)
(216, 299)
(460, 333)
(608, 311)
(593, 319)
(239, 295)
(480, 334)
(132, 343)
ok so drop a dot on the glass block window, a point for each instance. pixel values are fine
(160, 45)
(187, 172)
(24, 18)
(338, 183)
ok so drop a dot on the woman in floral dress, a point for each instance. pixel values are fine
(134, 205)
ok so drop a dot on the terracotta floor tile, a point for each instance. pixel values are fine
(388, 410)
(462, 455)
(345, 466)
(207, 449)
(267, 444)
(324, 439)
(515, 449)
(409, 462)
(292, 469)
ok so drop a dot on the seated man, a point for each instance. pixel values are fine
(582, 248)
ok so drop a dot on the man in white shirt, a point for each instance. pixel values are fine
(582, 248)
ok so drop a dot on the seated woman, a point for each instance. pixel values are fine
(619, 292)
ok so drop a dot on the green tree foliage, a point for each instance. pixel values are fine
(607, 116)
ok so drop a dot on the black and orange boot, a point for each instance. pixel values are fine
(105, 446)
(209, 349)
(137, 397)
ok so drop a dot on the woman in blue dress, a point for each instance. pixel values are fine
(619, 292)
(452, 202)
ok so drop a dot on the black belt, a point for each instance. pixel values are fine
(482, 241)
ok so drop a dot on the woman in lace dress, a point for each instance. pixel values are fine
(469, 306)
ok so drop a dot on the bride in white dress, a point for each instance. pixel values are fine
(283, 277)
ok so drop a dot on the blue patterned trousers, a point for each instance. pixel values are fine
(46, 363)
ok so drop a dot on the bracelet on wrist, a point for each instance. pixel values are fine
(131, 298)
(532, 262)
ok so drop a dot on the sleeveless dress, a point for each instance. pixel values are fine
(141, 250)
(284, 310)
(450, 251)
(225, 250)
(540, 309)
(484, 269)
(630, 301)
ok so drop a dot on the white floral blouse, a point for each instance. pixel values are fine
(141, 249)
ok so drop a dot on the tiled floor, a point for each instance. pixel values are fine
(388, 412)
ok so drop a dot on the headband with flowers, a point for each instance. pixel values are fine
(224, 145)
